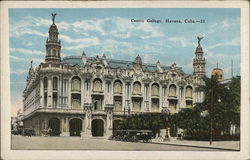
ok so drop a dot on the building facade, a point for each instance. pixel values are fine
(81, 95)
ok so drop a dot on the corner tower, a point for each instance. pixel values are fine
(199, 60)
(53, 45)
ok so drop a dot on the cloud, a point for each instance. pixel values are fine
(19, 59)
(223, 25)
(16, 59)
(26, 51)
(233, 42)
(19, 72)
(16, 105)
(29, 44)
(182, 40)
(85, 41)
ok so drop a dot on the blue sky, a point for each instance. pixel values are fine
(110, 31)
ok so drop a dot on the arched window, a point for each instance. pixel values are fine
(189, 92)
(118, 87)
(55, 83)
(155, 89)
(97, 85)
(137, 88)
(45, 83)
(76, 103)
(54, 52)
(76, 84)
(172, 90)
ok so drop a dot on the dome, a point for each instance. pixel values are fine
(138, 59)
(199, 49)
(218, 73)
(53, 28)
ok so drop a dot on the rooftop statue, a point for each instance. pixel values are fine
(53, 17)
(199, 39)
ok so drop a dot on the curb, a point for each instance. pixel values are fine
(186, 145)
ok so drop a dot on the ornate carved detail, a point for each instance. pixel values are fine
(108, 78)
(146, 81)
(164, 83)
(87, 76)
(128, 79)
(181, 84)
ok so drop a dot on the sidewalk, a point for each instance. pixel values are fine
(224, 145)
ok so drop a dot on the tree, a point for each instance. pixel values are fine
(221, 102)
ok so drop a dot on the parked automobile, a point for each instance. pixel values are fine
(132, 135)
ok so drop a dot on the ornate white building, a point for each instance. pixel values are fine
(88, 95)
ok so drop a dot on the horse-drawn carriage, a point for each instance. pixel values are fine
(132, 135)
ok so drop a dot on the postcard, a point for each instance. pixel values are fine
(109, 80)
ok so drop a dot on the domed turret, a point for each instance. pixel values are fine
(218, 73)
(53, 45)
(138, 60)
(199, 60)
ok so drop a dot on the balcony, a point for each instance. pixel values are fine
(76, 91)
(117, 93)
(172, 96)
(95, 92)
(189, 98)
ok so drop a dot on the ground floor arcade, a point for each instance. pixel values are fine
(94, 124)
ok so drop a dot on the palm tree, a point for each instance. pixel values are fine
(213, 91)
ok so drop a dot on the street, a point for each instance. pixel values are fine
(76, 143)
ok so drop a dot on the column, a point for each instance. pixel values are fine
(160, 97)
(82, 93)
(184, 97)
(65, 126)
(49, 93)
(69, 93)
(124, 97)
(149, 98)
(87, 123)
(41, 93)
(109, 126)
(179, 99)
(111, 91)
(146, 98)
(130, 105)
(58, 92)
(83, 128)
(106, 94)
(143, 97)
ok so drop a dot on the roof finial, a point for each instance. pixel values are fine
(31, 63)
(217, 65)
(53, 17)
(199, 39)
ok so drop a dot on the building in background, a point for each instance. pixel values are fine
(81, 95)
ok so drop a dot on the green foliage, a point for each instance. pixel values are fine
(222, 101)
(224, 112)
(146, 121)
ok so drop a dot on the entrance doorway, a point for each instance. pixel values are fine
(97, 128)
(54, 125)
(75, 127)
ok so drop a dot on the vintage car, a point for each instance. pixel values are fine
(132, 135)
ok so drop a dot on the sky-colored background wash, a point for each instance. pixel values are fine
(110, 31)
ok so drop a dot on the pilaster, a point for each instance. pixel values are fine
(41, 93)
(49, 92)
